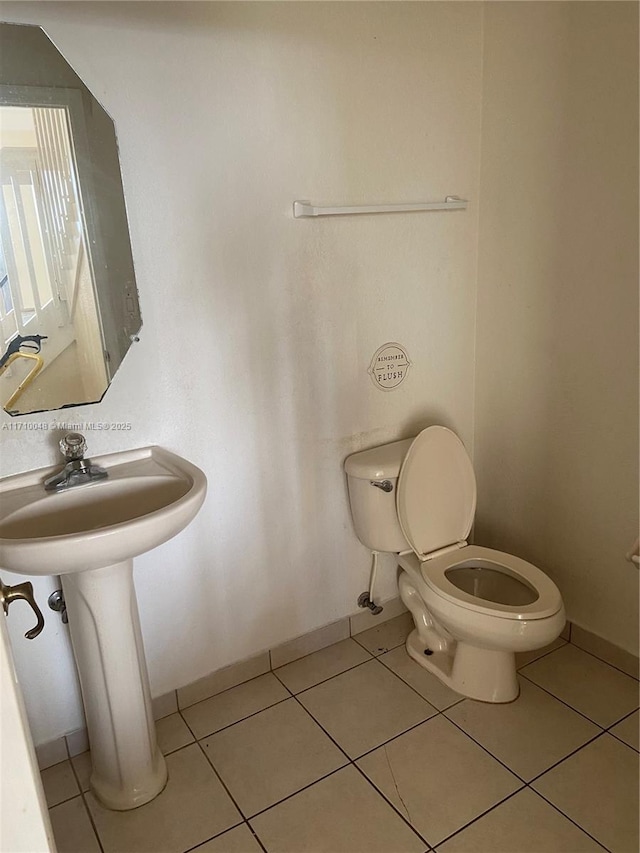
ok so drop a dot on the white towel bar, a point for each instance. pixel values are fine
(305, 208)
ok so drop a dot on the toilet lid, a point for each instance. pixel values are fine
(436, 496)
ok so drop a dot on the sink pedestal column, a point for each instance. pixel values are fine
(128, 768)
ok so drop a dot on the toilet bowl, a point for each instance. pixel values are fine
(473, 607)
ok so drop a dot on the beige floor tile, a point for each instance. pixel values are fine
(309, 643)
(627, 730)
(529, 734)
(386, 636)
(72, 828)
(172, 733)
(365, 707)
(608, 652)
(233, 705)
(340, 814)
(526, 824)
(524, 658)
(589, 685)
(427, 685)
(192, 808)
(312, 669)
(82, 767)
(223, 679)
(59, 783)
(271, 755)
(438, 778)
(237, 840)
(598, 789)
(364, 618)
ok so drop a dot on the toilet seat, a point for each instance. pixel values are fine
(436, 502)
(548, 600)
(436, 496)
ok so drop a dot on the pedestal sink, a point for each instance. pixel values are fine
(89, 535)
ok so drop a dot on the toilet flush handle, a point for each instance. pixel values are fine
(385, 485)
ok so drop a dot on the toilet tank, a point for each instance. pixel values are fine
(373, 510)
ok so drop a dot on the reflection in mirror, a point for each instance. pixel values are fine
(68, 301)
(47, 305)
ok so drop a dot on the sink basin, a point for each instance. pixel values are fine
(89, 535)
(149, 497)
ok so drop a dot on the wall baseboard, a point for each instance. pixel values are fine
(599, 647)
(75, 742)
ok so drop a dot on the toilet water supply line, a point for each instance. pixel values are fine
(365, 599)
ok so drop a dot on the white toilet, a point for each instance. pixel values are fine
(473, 607)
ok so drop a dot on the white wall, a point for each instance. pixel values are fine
(557, 358)
(258, 329)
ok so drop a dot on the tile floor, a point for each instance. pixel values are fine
(357, 749)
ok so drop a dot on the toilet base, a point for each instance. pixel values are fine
(483, 674)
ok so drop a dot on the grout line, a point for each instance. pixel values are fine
(415, 690)
(295, 793)
(257, 837)
(436, 713)
(291, 693)
(382, 651)
(622, 719)
(331, 738)
(570, 819)
(623, 742)
(235, 722)
(221, 692)
(75, 773)
(544, 655)
(565, 757)
(91, 820)
(602, 660)
(483, 747)
(317, 651)
(189, 727)
(219, 834)
(66, 800)
(484, 813)
(350, 762)
(323, 680)
(331, 677)
(393, 806)
(502, 802)
(562, 701)
(246, 818)
(224, 785)
(395, 737)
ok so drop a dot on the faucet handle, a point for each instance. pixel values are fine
(73, 446)
(8, 594)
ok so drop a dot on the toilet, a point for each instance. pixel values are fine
(473, 607)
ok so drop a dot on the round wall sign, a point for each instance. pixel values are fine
(389, 366)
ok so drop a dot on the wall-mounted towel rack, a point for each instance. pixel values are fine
(305, 208)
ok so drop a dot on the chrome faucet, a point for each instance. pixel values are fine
(78, 470)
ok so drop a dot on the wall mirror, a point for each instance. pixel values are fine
(68, 300)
